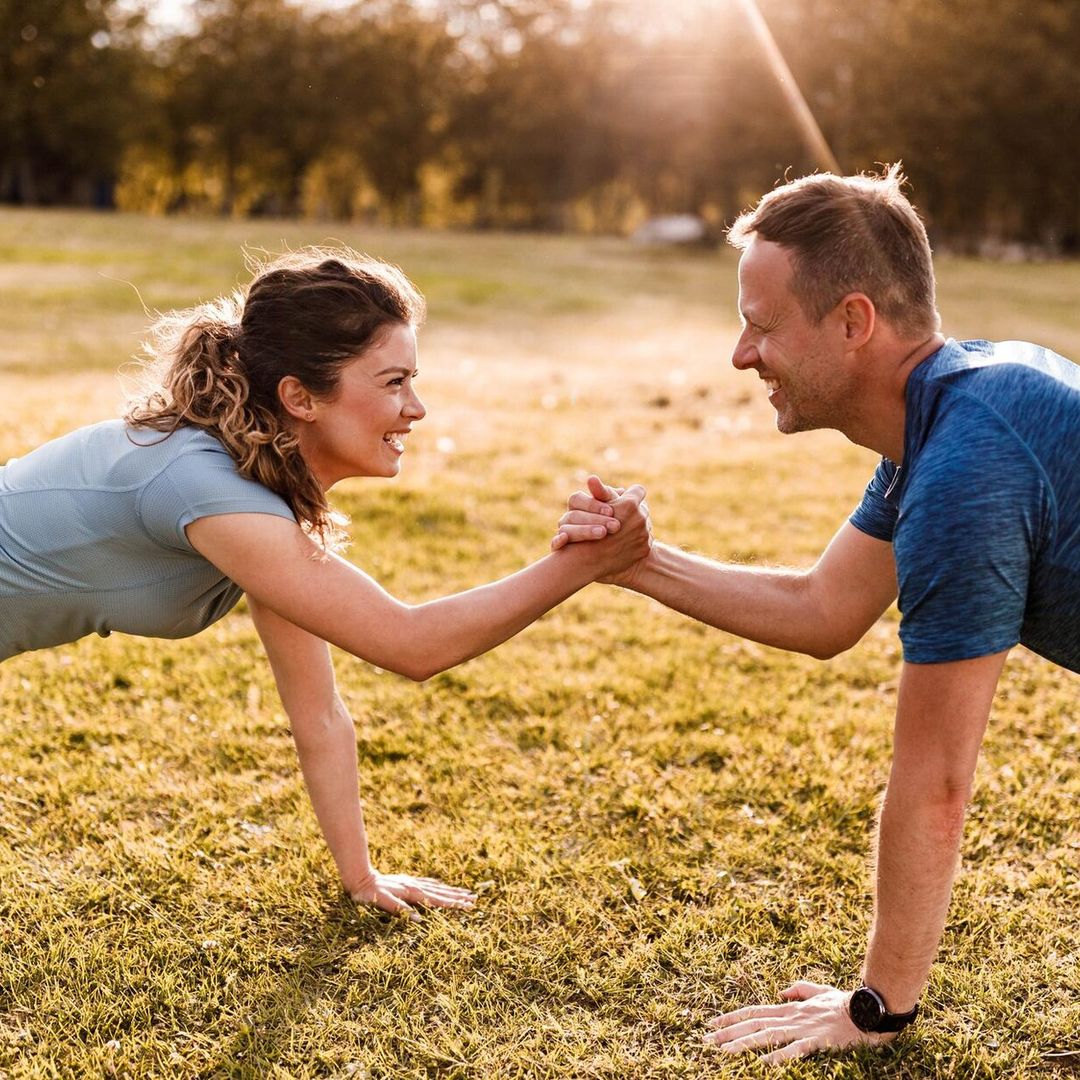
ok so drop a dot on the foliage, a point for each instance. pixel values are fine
(668, 821)
(541, 113)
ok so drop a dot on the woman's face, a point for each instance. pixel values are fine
(362, 431)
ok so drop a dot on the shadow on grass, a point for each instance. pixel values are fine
(276, 1037)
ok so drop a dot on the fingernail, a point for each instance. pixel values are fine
(613, 525)
(599, 530)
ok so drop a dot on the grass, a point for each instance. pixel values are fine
(663, 821)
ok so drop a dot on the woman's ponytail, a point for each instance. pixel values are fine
(201, 382)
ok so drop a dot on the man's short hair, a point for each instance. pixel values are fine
(850, 234)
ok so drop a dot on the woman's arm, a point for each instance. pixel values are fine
(279, 567)
(326, 745)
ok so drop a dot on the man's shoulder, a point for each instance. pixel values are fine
(993, 366)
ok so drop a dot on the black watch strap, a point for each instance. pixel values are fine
(868, 1012)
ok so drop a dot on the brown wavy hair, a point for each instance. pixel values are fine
(217, 366)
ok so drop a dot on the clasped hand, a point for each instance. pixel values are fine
(603, 512)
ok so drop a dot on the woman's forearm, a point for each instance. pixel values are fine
(444, 632)
(326, 747)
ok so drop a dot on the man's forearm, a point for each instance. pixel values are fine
(918, 840)
(773, 606)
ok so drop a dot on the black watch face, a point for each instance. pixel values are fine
(866, 1009)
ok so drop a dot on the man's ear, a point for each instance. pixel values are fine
(859, 317)
(296, 399)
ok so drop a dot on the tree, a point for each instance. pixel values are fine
(67, 72)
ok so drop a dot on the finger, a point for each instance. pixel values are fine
(576, 533)
(748, 1013)
(559, 540)
(759, 1040)
(797, 1049)
(740, 1030)
(802, 990)
(428, 890)
(444, 892)
(635, 492)
(432, 900)
(435, 883)
(583, 517)
(385, 900)
(582, 500)
(600, 490)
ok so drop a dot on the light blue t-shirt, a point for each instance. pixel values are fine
(92, 535)
(984, 514)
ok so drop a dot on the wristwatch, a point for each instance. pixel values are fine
(868, 1012)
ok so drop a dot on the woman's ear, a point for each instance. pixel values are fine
(296, 399)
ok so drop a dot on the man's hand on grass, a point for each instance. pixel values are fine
(812, 1018)
(402, 894)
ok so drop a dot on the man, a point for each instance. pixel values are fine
(974, 513)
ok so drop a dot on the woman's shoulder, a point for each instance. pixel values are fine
(186, 438)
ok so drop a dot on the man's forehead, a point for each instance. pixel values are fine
(765, 271)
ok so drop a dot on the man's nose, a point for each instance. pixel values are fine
(745, 354)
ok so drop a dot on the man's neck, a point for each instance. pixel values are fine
(878, 424)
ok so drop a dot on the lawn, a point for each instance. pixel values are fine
(663, 822)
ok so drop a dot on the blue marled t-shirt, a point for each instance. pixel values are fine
(984, 513)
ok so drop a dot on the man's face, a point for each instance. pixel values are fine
(801, 363)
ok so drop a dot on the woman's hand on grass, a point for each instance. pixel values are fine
(813, 1018)
(402, 894)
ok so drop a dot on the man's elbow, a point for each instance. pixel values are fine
(826, 648)
(940, 803)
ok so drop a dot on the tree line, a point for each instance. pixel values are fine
(549, 114)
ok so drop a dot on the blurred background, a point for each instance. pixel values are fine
(588, 116)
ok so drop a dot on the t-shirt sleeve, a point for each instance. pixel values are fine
(201, 483)
(876, 515)
(971, 521)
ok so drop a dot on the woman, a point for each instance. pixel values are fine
(215, 485)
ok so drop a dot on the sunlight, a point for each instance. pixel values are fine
(804, 118)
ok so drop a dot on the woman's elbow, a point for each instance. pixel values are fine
(418, 673)
(416, 669)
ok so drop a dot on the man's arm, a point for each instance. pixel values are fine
(821, 611)
(940, 720)
(326, 746)
(941, 716)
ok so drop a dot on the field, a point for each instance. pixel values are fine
(663, 822)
